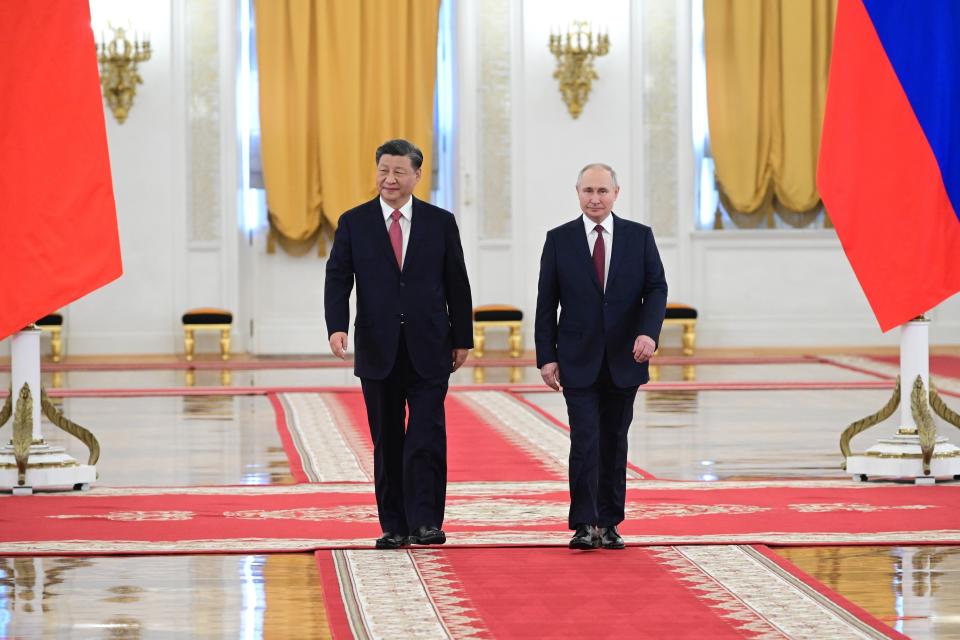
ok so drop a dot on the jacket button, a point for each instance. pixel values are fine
(403, 284)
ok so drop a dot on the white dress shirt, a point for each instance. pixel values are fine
(406, 217)
(590, 227)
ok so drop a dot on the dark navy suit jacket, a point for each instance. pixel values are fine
(593, 322)
(430, 297)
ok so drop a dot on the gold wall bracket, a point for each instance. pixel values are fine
(575, 52)
(119, 58)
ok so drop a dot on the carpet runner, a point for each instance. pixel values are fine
(343, 515)
(715, 592)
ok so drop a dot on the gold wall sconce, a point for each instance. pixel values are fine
(119, 77)
(575, 51)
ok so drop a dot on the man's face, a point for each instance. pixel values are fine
(597, 193)
(396, 179)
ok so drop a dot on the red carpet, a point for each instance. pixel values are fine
(306, 517)
(476, 450)
(655, 592)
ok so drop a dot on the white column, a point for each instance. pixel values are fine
(25, 368)
(914, 361)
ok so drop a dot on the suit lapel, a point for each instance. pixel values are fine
(619, 248)
(417, 231)
(583, 255)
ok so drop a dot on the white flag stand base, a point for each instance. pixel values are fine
(47, 467)
(902, 456)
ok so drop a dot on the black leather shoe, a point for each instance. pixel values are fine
(427, 535)
(585, 538)
(391, 541)
(610, 538)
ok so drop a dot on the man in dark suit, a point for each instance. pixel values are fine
(606, 275)
(413, 328)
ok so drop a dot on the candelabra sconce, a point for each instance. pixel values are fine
(575, 52)
(119, 77)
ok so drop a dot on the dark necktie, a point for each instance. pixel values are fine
(396, 237)
(599, 255)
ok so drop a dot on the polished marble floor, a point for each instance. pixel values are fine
(203, 596)
(179, 440)
(216, 440)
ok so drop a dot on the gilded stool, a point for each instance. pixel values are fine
(207, 319)
(53, 324)
(685, 316)
(498, 315)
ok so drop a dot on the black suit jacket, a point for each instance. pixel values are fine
(593, 322)
(431, 296)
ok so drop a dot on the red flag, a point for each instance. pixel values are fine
(58, 221)
(889, 170)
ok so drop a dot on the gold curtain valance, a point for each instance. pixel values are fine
(337, 79)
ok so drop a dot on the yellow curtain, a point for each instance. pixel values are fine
(337, 79)
(767, 64)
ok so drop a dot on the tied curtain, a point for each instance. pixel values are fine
(338, 78)
(767, 63)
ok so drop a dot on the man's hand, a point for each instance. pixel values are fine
(550, 373)
(643, 348)
(338, 344)
(459, 357)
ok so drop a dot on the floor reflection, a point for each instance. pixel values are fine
(179, 441)
(208, 377)
(688, 372)
(710, 435)
(244, 596)
(916, 590)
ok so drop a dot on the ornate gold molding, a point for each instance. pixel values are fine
(119, 77)
(575, 52)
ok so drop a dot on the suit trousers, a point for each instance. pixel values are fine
(600, 417)
(409, 456)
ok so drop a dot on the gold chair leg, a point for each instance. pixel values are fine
(516, 342)
(515, 375)
(479, 375)
(654, 372)
(225, 344)
(478, 341)
(56, 345)
(689, 338)
(188, 343)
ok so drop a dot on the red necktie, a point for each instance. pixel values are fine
(396, 237)
(599, 255)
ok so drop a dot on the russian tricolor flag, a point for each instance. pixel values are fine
(889, 167)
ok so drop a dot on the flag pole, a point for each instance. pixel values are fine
(915, 451)
(28, 462)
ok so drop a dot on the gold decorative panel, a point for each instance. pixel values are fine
(494, 185)
(203, 118)
(659, 21)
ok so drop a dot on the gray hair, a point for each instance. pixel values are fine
(599, 165)
(401, 147)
